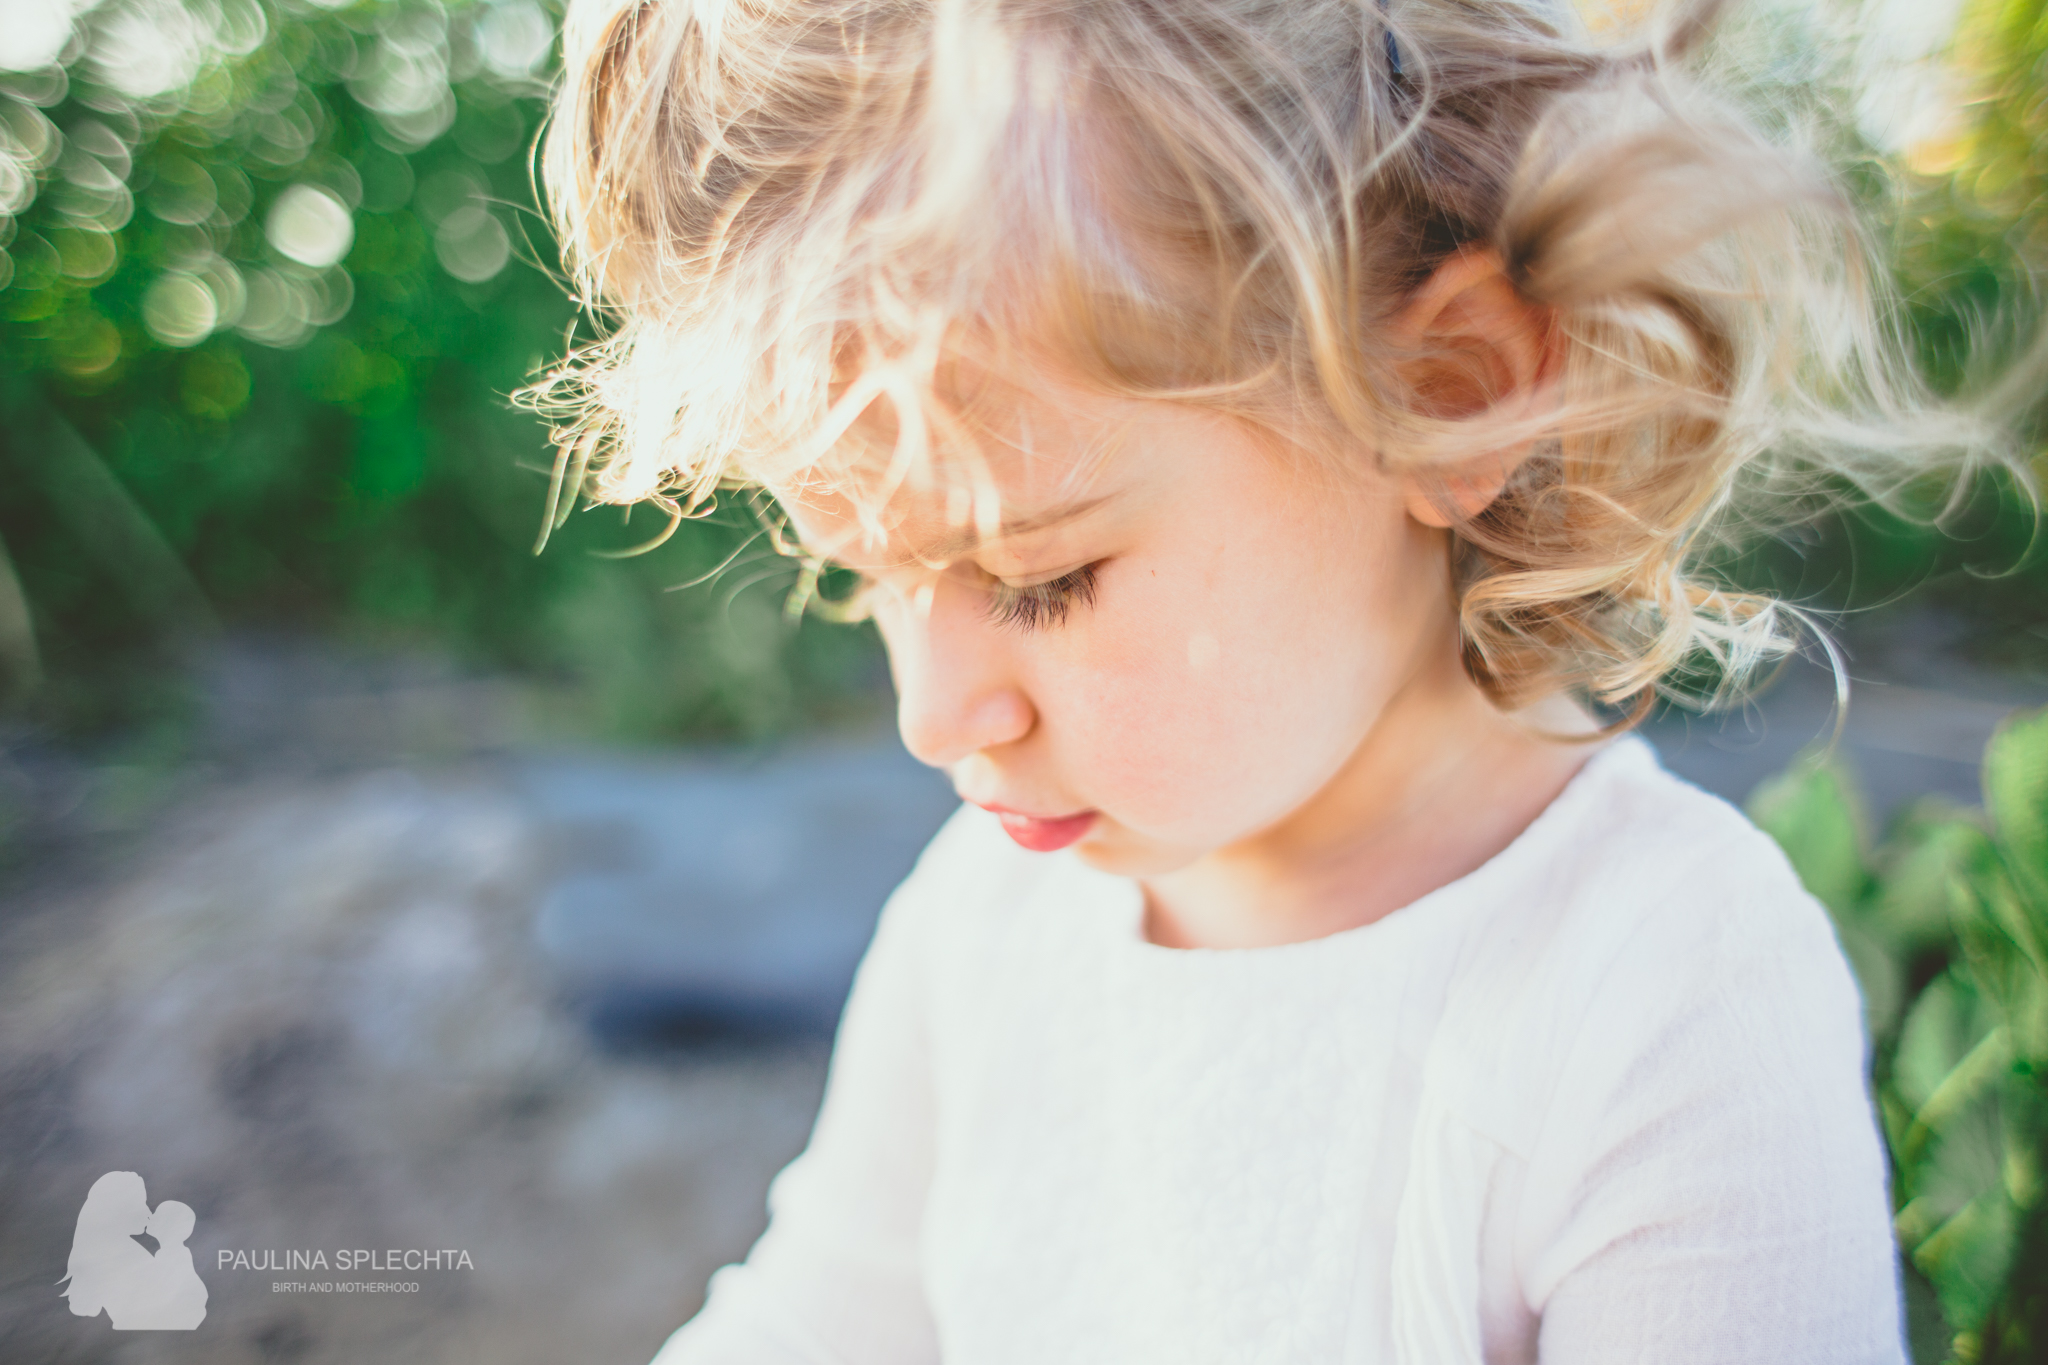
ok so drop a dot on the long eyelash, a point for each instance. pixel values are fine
(1043, 605)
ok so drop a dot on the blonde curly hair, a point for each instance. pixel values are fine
(789, 211)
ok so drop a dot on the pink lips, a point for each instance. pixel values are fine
(1042, 835)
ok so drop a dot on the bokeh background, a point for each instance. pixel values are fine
(368, 880)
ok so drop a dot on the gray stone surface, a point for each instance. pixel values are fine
(721, 889)
(1915, 724)
(312, 1010)
(565, 1010)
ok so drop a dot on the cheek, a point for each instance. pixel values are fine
(1200, 714)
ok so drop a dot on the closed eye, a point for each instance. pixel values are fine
(1042, 605)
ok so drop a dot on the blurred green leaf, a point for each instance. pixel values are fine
(1949, 1039)
(1812, 813)
(281, 294)
(1969, 1256)
(1945, 918)
(1933, 849)
(2016, 795)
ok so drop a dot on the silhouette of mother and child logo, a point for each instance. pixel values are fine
(110, 1270)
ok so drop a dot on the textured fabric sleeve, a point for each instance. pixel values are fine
(1711, 1186)
(835, 1279)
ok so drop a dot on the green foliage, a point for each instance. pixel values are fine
(1978, 226)
(1946, 925)
(1963, 219)
(265, 282)
(266, 271)
(1972, 248)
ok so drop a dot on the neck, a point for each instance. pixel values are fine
(1441, 783)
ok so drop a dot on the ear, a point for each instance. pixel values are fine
(1481, 350)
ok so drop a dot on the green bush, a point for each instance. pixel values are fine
(1946, 924)
(264, 285)
(267, 271)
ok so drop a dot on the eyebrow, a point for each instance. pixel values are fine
(966, 541)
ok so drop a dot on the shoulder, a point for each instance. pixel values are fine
(1717, 923)
(1644, 824)
(1706, 1032)
(1689, 1076)
(1658, 924)
(1663, 878)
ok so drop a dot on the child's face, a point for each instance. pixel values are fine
(1252, 617)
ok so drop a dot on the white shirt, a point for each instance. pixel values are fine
(1602, 1100)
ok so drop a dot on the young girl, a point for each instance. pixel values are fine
(1276, 439)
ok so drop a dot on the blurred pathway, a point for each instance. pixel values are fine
(1916, 723)
(312, 1011)
(565, 1011)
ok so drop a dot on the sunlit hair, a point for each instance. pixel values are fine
(793, 214)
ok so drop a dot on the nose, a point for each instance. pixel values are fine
(955, 691)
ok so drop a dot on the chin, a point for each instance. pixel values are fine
(1114, 849)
